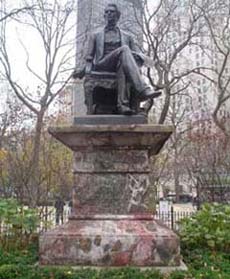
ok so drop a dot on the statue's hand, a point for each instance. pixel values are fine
(79, 73)
(139, 60)
(88, 68)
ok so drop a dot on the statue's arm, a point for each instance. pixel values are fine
(136, 52)
(140, 58)
(88, 59)
(132, 45)
(91, 48)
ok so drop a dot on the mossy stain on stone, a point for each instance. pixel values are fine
(106, 248)
(117, 246)
(97, 240)
(106, 259)
(151, 227)
(85, 244)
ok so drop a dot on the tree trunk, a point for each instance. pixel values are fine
(165, 108)
(35, 169)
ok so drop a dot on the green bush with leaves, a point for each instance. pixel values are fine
(209, 227)
(26, 256)
(206, 263)
(17, 224)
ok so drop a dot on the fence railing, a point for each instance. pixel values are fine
(48, 219)
(171, 218)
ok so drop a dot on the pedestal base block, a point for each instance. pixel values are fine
(115, 241)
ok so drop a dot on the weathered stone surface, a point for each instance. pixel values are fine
(111, 224)
(110, 243)
(111, 161)
(111, 193)
(111, 182)
(110, 120)
(111, 174)
(110, 137)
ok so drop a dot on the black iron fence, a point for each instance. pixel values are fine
(47, 218)
(171, 218)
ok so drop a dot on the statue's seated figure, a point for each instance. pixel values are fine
(101, 92)
(113, 81)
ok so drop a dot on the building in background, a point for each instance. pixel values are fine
(198, 100)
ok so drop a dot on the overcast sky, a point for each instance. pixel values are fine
(20, 37)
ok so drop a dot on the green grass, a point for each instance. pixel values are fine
(202, 264)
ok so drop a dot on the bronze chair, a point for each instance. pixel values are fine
(101, 92)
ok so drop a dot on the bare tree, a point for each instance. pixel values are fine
(51, 22)
(13, 119)
(54, 174)
(217, 19)
(168, 32)
(220, 32)
(6, 14)
(208, 164)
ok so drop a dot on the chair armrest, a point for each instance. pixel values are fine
(88, 68)
(103, 75)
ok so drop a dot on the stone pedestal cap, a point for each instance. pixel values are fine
(80, 137)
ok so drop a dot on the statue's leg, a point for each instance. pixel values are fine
(134, 101)
(132, 71)
(109, 62)
(123, 97)
(112, 62)
(122, 61)
(88, 89)
(123, 58)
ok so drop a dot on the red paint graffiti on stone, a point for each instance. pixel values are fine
(110, 224)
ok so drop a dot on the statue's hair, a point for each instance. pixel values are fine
(116, 7)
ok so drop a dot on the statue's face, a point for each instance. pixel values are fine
(110, 15)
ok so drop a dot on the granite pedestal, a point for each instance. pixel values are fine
(111, 223)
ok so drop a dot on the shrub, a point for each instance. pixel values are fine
(200, 260)
(209, 227)
(18, 224)
(127, 273)
(181, 275)
(14, 271)
(23, 257)
(29, 272)
(208, 273)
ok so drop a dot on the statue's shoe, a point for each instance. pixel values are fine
(148, 93)
(125, 110)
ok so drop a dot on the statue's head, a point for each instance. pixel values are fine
(112, 14)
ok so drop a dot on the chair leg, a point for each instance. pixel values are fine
(88, 89)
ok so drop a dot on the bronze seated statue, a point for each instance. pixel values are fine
(101, 93)
(113, 81)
